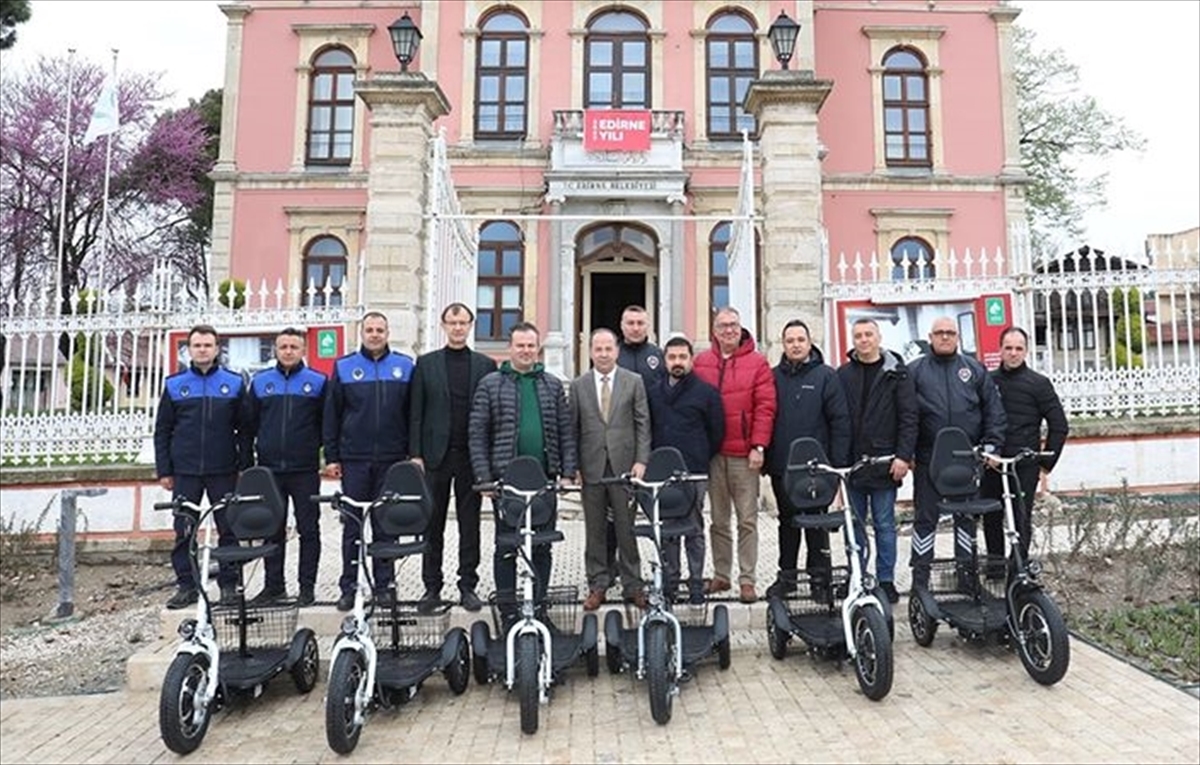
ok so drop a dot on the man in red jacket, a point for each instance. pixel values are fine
(743, 377)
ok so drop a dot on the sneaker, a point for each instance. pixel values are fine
(470, 601)
(183, 597)
(229, 595)
(307, 596)
(346, 601)
(889, 589)
(268, 596)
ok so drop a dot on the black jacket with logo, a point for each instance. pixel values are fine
(955, 390)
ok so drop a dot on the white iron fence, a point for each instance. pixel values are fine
(83, 388)
(1118, 335)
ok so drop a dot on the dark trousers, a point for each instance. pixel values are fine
(363, 481)
(694, 545)
(455, 470)
(925, 519)
(300, 487)
(1024, 489)
(504, 561)
(818, 558)
(191, 487)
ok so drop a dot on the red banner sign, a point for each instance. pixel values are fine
(616, 130)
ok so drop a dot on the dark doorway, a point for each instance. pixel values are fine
(611, 292)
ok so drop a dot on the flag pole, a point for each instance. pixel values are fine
(100, 288)
(62, 207)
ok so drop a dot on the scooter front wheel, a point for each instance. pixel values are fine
(872, 652)
(342, 723)
(660, 670)
(1042, 639)
(529, 657)
(182, 720)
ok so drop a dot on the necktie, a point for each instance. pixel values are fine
(605, 397)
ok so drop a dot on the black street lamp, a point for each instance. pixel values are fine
(782, 33)
(405, 39)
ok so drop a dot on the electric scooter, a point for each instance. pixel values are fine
(839, 612)
(230, 649)
(533, 643)
(382, 655)
(1013, 608)
(661, 647)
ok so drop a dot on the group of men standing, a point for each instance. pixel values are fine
(464, 419)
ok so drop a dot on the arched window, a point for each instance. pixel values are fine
(324, 262)
(501, 272)
(906, 109)
(616, 66)
(502, 77)
(331, 109)
(731, 57)
(912, 259)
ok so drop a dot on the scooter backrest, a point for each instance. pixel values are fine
(675, 500)
(526, 474)
(954, 476)
(808, 489)
(260, 519)
(409, 518)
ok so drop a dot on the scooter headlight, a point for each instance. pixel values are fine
(870, 582)
(1034, 567)
(187, 629)
(349, 625)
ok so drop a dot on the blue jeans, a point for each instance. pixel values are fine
(883, 518)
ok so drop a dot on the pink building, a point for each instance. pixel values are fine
(889, 141)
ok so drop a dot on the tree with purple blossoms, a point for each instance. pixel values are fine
(159, 162)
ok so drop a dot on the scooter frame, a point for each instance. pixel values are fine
(860, 590)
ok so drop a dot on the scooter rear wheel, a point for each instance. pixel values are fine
(341, 702)
(660, 670)
(613, 624)
(181, 720)
(923, 627)
(458, 671)
(304, 670)
(1042, 639)
(481, 638)
(777, 637)
(529, 657)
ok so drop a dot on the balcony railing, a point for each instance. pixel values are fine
(568, 123)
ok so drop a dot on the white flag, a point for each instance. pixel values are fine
(105, 119)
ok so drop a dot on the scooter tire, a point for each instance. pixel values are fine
(660, 665)
(529, 658)
(341, 699)
(181, 721)
(1042, 640)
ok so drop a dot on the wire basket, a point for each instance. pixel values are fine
(418, 626)
(804, 593)
(949, 578)
(560, 609)
(266, 627)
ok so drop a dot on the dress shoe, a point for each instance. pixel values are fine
(889, 589)
(429, 601)
(638, 599)
(307, 596)
(183, 597)
(594, 599)
(717, 584)
(346, 601)
(268, 596)
(470, 601)
(385, 598)
(747, 593)
(781, 589)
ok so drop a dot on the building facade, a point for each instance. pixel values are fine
(596, 159)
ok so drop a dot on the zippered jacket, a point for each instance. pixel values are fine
(496, 417)
(366, 408)
(747, 390)
(811, 404)
(689, 416)
(957, 391)
(283, 412)
(888, 423)
(1029, 398)
(198, 427)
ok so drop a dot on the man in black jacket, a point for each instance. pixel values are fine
(687, 413)
(883, 420)
(365, 431)
(1029, 400)
(283, 410)
(811, 404)
(953, 389)
(442, 389)
(199, 446)
(521, 410)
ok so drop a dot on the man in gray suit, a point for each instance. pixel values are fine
(612, 418)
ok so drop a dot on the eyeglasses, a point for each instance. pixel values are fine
(944, 333)
(728, 325)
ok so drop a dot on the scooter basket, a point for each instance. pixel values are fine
(560, 609)
(417, 629)
(814, 594)
(947, 579)
(266, 627)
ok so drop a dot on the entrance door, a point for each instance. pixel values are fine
(611, 293)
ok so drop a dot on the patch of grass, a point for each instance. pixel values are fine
(1165, 638)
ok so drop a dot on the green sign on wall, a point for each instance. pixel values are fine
(327, 343)
(994, 308)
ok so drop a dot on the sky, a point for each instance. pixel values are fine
(1139, 58)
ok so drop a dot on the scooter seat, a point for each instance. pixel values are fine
(970, 507)
(826, 521)
(241, 554)
(393, 550)
(512, 540)
(679, 527)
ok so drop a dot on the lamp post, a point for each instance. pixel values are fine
(782, 33)
(406, 36)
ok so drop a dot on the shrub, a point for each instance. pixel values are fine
(237, 287)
